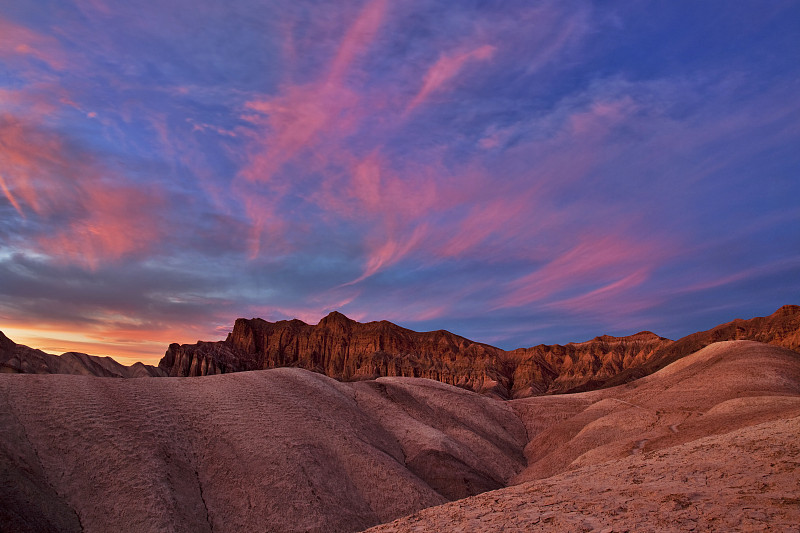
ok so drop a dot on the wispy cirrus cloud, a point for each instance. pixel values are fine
(96, 215)
(445, 69)
(19, 43)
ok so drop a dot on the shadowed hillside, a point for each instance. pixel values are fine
(285, 450)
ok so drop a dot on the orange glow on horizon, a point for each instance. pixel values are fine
(125, 348)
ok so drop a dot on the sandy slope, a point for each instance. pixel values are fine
(746, 480)
(278, 450)
(720, 388)
(707, 443)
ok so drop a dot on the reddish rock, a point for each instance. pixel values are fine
(344, 349)
(348, 350)
(781, 328)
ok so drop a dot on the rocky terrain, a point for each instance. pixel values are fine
(20, 359)
(706, 443)
(348, 350)
(666, 453)
(745, 480)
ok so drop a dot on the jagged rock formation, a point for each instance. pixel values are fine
(348, 350)
(20, 359)
(344, 349)
(579, 366)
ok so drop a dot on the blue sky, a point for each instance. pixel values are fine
(515, 172)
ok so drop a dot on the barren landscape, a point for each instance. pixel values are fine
(370, 265)
(706, 443)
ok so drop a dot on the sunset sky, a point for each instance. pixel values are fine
(516, 172)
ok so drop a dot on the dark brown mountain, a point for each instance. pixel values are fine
(349, 350)
(20, 359)
(344, 349)
(581, 366)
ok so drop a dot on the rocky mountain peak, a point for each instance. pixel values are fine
(787, 310)
(336, 318)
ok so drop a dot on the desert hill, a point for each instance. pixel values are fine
(347, 350)
(707, 443)
(20, 359)
(745, 480)
(282, 450)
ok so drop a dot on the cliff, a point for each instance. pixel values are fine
(348, 350)
(781, 328)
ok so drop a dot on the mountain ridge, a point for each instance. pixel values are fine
(348, 350)
(20, 359)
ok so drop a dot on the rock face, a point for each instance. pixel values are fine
(351, 351)
(577, 367)
(20, 359)
(348, 350)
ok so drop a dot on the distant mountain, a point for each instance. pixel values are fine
(343, 349)
(348, 350)
(352, 351)
(20, 359)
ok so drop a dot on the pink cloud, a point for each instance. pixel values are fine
(445, 69)
(100, 216)
(294, 120)
(309, 120)
(10, 197)
(358, 38)
(388, 250)
(614, 262)
(601, 116)
(19, 42)
(608, 297)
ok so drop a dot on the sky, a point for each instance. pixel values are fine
(516, 172)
